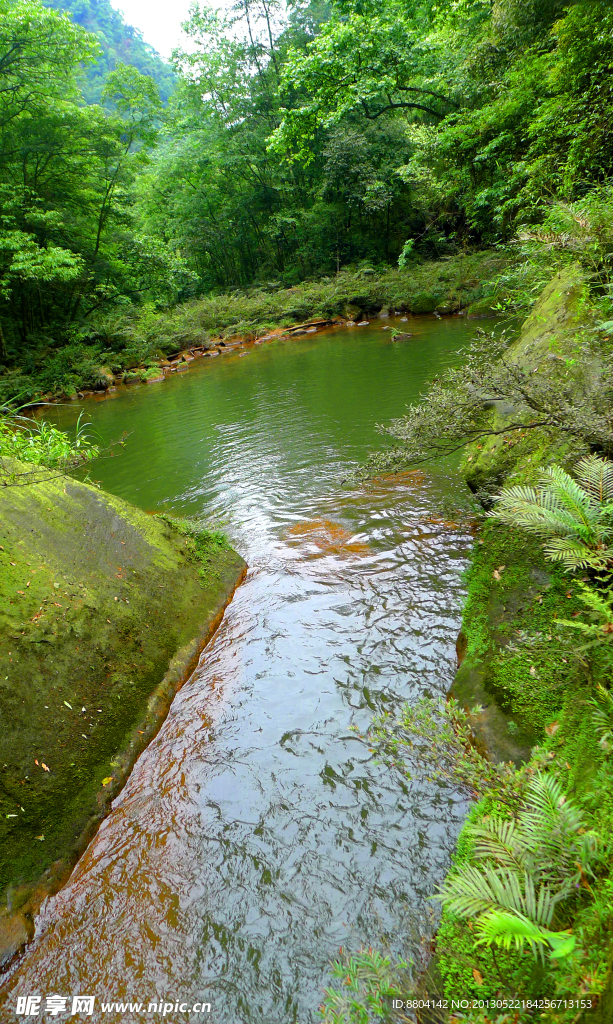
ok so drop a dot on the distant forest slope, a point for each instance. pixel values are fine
(119, 42)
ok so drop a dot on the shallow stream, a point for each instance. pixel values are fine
(257, 834)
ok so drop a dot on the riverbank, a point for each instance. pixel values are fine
(529, 692)
(104, 611)
(143, 343)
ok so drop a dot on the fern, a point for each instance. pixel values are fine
(524, 868)
(602, 717)
(507, 930)
(573, 517)
(472, 891)
(596, 477)
(600, 611)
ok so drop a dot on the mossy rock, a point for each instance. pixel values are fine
(482, 308)
(423, 302)
(103, 612)
(554, 331)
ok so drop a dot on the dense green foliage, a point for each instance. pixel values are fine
(119, 44)
(574, 516)
(297, 142)
(41, 444)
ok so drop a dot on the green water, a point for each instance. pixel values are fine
(258, 833)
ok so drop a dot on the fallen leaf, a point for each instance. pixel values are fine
(496, 574)
(477, 976)
(41, 838)
(108, 779)
(68, 705)
(532, 670)
(43, 765)
(35, 761)
(552, 729)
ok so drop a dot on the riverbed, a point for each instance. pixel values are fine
(258, 833)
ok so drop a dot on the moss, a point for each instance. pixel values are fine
(525, 671)
(96, 599)
(555, 329)
(424, 302)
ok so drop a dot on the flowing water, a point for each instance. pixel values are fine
(258, 833)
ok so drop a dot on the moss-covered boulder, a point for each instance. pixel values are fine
(555, 330)
(103, 612)
(424, 302)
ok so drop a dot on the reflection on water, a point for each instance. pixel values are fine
(257, 833)
(322, 537)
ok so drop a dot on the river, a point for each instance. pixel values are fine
(258, 833)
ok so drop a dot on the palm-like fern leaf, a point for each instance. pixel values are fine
(575, 517)
(508, 929)
(571, 497)
(602, 717)
(575, 554)
(596, 477)
(553, 826)
(472, 891)
(527, 867)
(498, 840)
(541, 512)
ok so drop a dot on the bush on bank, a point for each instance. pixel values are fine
(139, 336)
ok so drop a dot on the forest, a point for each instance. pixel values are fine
(296, 144)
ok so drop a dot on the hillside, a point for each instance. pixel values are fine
(119, 41)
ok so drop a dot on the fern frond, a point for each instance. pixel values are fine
(576, 555)
(542, 513)
(552, 826)
(499, 840)
(595, 475)
(508, 929)
(470, 891)
(602, 717)
(598, 602)
(576, 521)
(571, 496)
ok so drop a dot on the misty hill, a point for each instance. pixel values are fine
(119, 42)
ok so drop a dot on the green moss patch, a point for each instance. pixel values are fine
(97, 600)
